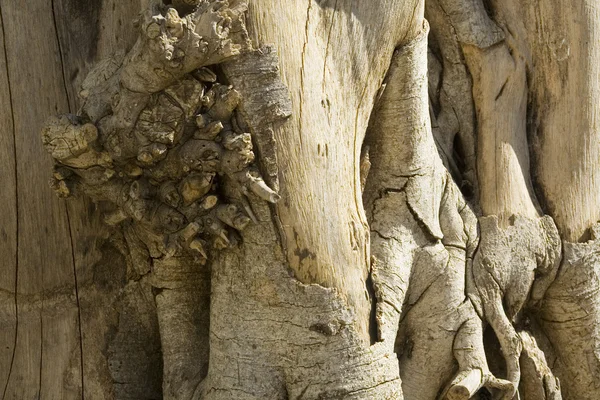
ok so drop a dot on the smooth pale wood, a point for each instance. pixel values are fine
(568, 92)
(334, 61)
(497, 68)
(500, 97)
(565, 64)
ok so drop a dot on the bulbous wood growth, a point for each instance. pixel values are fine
(321, 199)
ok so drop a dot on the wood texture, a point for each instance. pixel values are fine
(560, 40)
(8, 221)
(312, 302)
(44, 243)
(565, 86)
(52, 243)
(322, 45)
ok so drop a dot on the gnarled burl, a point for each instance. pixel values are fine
(161, 144)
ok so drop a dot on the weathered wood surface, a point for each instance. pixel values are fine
(44, 260)
(8, 218)
(323, 44)
(54, 285)
(78, 320)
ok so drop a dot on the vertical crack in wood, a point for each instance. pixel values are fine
(64, 76)
(16, 177)
(412, 20)
(302, 65)
(41, 369)
(61, 56)
(328, 40)
(356, 180)
(77, 300)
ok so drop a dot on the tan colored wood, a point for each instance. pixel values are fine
(322, 45)
(58, 240)
(87, 315)
(561, 41)
(46, 340)
(563, 57)
(567, 138)
(499, 83)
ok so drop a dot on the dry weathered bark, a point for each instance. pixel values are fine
(324, 199)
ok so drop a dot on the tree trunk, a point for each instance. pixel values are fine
(326, 199)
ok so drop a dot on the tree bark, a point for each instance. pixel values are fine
(326, 199)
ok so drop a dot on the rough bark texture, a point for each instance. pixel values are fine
(326, 199)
